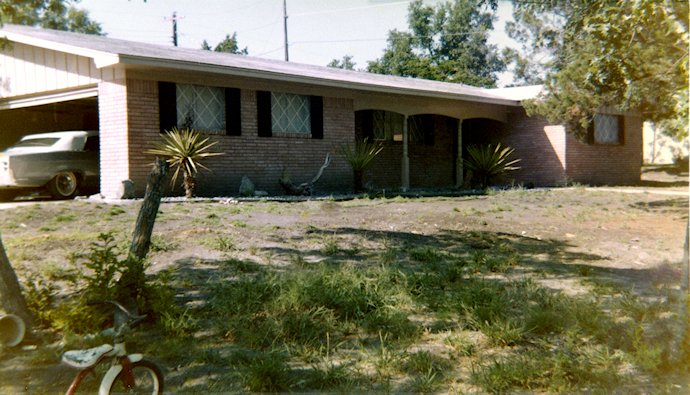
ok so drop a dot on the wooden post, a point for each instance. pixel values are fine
(405, 176)
(141, 239)
(459, 165)
(11, 297)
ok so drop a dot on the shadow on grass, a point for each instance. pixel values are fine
(210, 359)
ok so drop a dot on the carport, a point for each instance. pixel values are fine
(49, 114)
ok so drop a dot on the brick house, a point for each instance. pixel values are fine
(271, 117)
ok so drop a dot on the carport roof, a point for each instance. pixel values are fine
(111, 52)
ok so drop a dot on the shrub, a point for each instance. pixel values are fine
(488, 162)
(184, 149)
(359, 157)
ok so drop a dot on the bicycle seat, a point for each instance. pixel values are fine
(82, 359)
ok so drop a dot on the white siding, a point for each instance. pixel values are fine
(28, 70)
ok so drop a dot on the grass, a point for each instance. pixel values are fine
(348, 311)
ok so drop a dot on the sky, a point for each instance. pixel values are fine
(318, 30)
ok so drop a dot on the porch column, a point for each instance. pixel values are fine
(459, 167)
(405, 181)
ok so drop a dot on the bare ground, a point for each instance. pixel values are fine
(628, 238)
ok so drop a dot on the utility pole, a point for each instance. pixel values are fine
(174, 21)
(287, 57)
(174, 27)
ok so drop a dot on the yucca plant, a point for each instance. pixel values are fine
(184, 149)
(359, 157)
(486, 162)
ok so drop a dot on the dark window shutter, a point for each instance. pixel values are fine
(316, 117)
(364, 125)
(621, 129)
(263, 113)
(233, 112)
(167, 105)
(429, 126)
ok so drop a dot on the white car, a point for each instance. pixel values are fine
(61, 162)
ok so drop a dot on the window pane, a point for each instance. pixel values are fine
(290, 113)
(200, 107)
(606, 129)
(387, 125)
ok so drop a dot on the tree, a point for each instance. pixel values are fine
(446, 43)
(344, 63)
(11, 297)
(229, 45)
(619, 54)
(50, 14)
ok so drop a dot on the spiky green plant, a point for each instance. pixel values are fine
(184, 149)
(359, 157)
(486, 162)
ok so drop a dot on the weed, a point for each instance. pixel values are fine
(178, 323)
(425, 254)
(268, 372)
(330, 246)
(461, 343)
(115, 210)
(224, 244)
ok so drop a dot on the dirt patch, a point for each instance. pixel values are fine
(561, 237)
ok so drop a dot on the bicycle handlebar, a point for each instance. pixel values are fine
(133, 318)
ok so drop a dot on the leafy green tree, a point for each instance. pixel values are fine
(51, 14)
(448, 42)
(344, 63)
(620, 54)
(229, 45)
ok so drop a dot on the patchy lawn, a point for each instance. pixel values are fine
(564, 290)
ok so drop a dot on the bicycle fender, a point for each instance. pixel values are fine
(108, 379)
(112, 373)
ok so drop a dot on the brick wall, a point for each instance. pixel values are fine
(262, 159)
(539, 146)
(607, 164)
(114, 156)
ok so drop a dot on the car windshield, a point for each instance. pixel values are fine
(39, 142)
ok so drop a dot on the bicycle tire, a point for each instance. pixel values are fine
(148, 379)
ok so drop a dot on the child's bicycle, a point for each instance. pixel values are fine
(127, 373)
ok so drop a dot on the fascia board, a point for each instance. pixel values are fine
(306, 79)
(101, 58)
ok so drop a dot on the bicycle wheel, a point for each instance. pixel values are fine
(148, 379)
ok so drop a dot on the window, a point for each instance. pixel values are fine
(204, 108)
(387, 126)
(607, 129)
(288, 114)
(200, 107)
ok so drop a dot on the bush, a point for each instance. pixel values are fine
(488, 162)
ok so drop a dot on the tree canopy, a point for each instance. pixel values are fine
(448, 42)
(50, 14)
(618, 54)
(344, 63)
(229, 45)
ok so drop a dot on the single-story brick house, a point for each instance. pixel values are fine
(271, 116)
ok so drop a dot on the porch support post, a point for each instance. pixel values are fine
(405, 176)
(459, 167)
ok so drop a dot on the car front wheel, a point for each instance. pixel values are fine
(64, 185)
